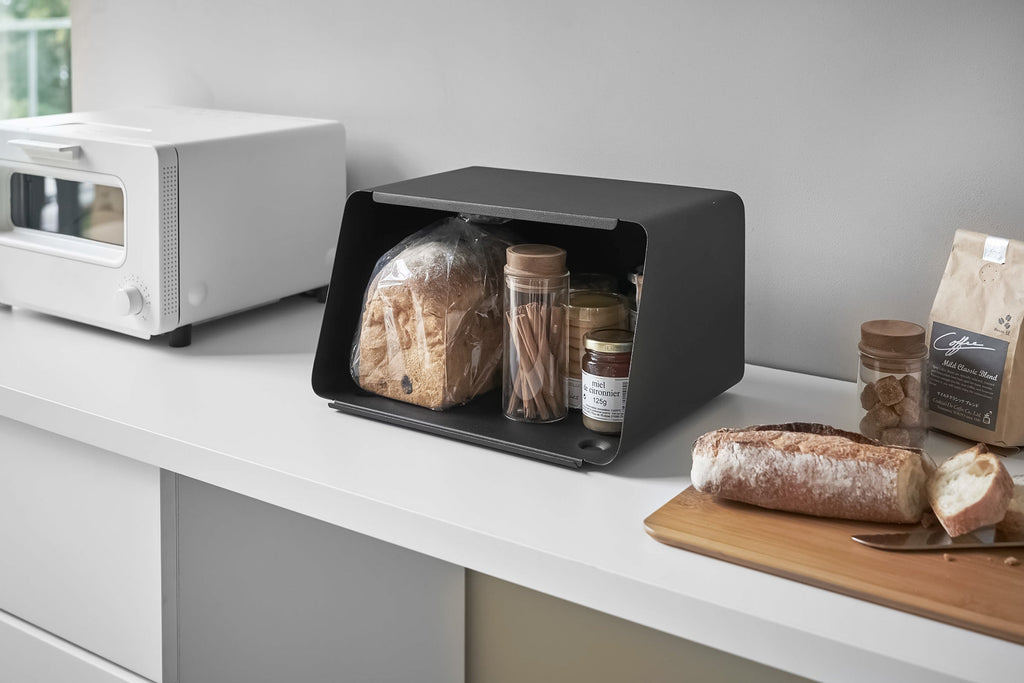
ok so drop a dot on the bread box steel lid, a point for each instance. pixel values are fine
(688, 343)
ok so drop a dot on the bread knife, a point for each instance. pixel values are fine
(937, 539)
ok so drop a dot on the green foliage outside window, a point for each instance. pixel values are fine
(51, 94)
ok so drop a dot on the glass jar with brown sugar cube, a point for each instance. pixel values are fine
(891, 382)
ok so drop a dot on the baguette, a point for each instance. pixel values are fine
(813, 469)
(970, 490)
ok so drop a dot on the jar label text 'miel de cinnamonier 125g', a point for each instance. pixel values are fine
(605, 379)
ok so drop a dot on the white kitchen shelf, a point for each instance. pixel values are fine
(236, 410)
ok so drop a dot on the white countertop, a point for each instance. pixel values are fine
(236, 410)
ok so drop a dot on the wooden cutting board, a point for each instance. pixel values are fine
(972, 589)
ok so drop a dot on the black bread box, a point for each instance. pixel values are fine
(688, 343)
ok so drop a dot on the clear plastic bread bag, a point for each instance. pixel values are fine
(431, 326)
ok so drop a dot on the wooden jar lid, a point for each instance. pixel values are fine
(536, 260)
(892, 339)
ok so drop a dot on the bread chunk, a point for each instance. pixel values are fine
(970, 490)
(813, 469)
(868, 397)
(878, 419)
(911, 387)
(909, 410)
(889, 390)
(897, 436)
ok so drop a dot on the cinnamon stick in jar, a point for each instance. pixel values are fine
(535, 339)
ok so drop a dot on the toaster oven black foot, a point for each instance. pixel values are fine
(180, 337)
(320, 294)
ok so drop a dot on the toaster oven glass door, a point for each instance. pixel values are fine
(69, 207)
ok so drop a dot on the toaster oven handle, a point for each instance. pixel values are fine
(40, 149)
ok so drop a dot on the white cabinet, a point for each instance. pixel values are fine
(112, 570)
(266, 595)
(81, 548)
(30, 655)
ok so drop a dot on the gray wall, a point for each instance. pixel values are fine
(859, 134)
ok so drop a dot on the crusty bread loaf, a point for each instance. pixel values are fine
(813, 469)
(970, 490)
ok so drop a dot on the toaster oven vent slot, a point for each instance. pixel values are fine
(169, 240)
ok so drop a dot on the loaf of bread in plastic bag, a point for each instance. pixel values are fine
(431, 326)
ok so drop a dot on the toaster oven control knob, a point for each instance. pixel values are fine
(128, 301)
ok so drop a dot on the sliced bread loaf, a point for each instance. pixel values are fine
(970, 490)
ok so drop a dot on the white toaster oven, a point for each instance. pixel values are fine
(147, 221)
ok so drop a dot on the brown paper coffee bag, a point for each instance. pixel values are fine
(976, 348)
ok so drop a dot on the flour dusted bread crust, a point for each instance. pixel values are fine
(431, 328)
(970, 490)
(813, 469)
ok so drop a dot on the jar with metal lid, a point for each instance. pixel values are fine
(891, 382)
(636, 281)
(600, 282)
(536, 338)
(605, 379)
(589, 310)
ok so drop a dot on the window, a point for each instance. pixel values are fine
(70, 207)
(35, 58)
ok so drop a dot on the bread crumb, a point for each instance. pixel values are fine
(948, 558)
(928, 520)
(1011, 561)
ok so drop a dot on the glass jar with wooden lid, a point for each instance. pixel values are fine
(590, 310)
(535, 335)
(891, 382)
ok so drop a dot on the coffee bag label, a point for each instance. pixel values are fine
(965, 375)
(995, 249)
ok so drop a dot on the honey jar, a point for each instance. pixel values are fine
(605, 379)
